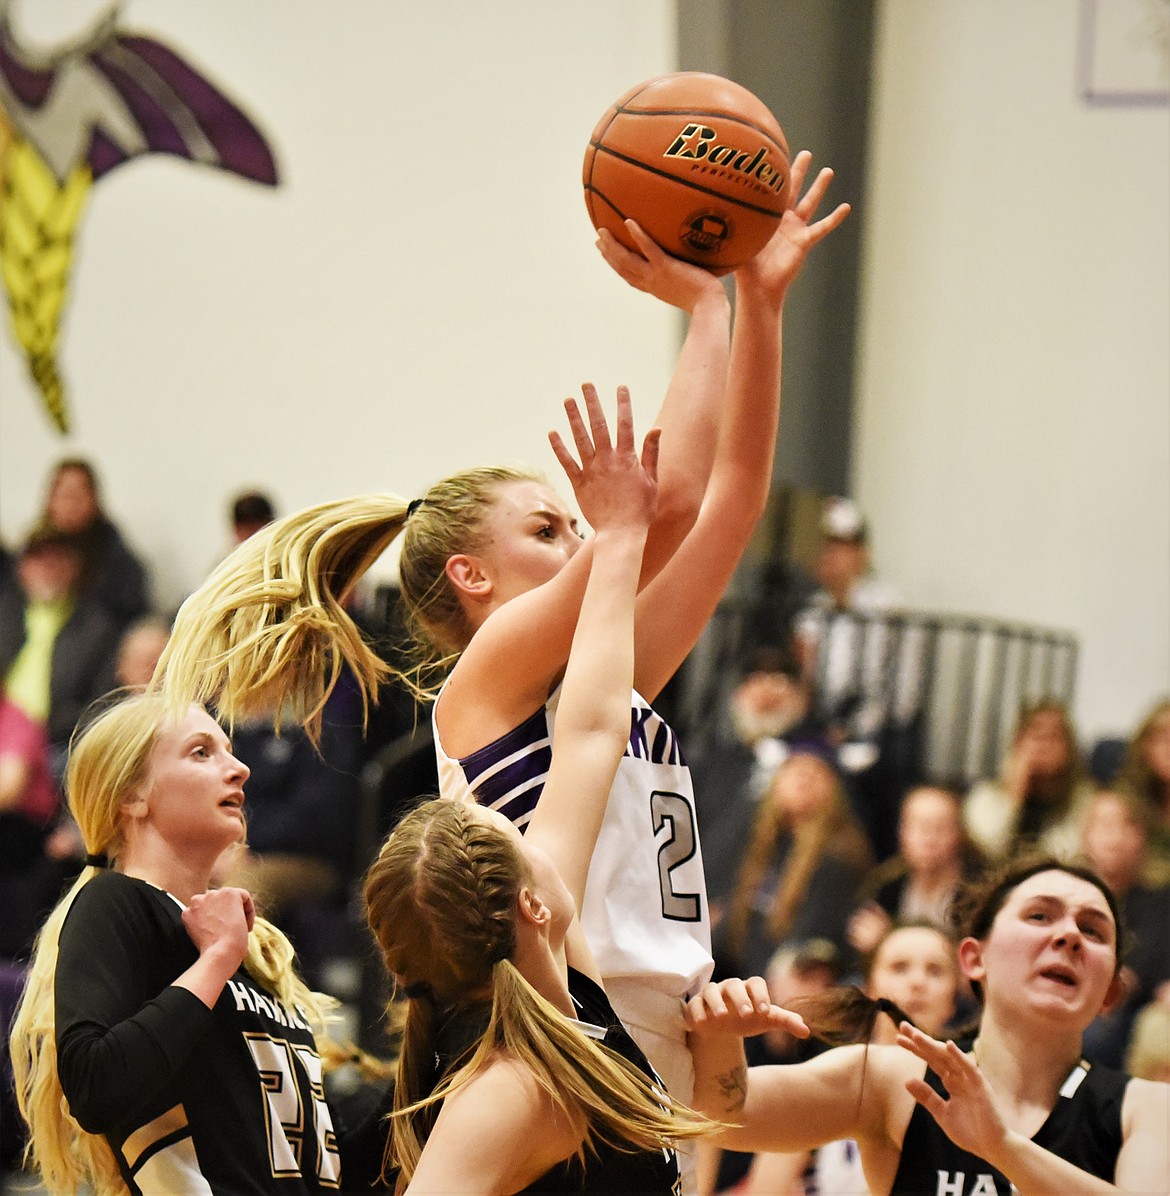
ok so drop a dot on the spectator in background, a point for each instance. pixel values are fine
(1042, 794)
(849, 656)
(1117, 844)
(767, 709)
(802, 868)
(935, 857)
(250, 511)
(300, 805)
(110, 570)
(840, 660)
(57, 641)
(140, 647)
(1145, 771)
(29, 801)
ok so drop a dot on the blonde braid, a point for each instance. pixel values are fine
(441, 900)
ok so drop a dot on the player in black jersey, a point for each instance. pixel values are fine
(505, 1082)
(1020, 1112)
(163, 1014)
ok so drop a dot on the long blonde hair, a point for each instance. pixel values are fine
(441, 900)
(832, 829)
(268, 630)
(107, 761)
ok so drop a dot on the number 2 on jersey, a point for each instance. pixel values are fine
(288, 1126)
(674, 812)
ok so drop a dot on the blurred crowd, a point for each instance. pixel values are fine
(808, 840)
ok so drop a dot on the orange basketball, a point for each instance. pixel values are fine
(698, 161)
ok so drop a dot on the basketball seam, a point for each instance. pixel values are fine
(711, 114)
(614, 113)
(665, 174)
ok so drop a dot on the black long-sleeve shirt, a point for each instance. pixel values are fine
(191, 1099)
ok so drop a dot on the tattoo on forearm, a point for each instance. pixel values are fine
(733, 1086)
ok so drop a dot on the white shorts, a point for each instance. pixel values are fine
(655, 1022)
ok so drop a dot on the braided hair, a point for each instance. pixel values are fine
(441, 899)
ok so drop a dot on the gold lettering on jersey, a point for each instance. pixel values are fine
(294, 1129)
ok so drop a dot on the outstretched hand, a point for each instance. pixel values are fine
(613, 486)
(653, 270)
(778, 264)
(741, 1008)
(967, 1115)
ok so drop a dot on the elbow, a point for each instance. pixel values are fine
(99, 1093)
(680, 497)
(88, 1109)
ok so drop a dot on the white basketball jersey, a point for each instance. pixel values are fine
(645, 909)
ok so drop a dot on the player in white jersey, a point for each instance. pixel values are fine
(648, 926)
(517, 582)
(515, 1075)
(493, 571)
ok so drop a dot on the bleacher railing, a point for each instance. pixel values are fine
(950, 686)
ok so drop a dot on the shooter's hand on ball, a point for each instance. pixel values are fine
(777, 265)
(654, 271)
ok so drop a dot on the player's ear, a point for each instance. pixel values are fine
(530, 907)
(971, 959)
(1116, 993)
(135, 806)
(466, 574)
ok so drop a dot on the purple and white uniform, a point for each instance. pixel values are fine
(645, 913)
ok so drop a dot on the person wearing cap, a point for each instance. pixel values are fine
(843, 646)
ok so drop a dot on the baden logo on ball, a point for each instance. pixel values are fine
(698, 161)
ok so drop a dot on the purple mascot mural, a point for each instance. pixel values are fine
(68, 118)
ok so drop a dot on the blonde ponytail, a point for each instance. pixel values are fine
(268, 629)
(597, 1090)
(441, 900)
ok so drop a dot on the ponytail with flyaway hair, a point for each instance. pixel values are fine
(268, 630)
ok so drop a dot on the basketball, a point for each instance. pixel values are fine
(698, 161)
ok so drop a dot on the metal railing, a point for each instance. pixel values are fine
(950, 686)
